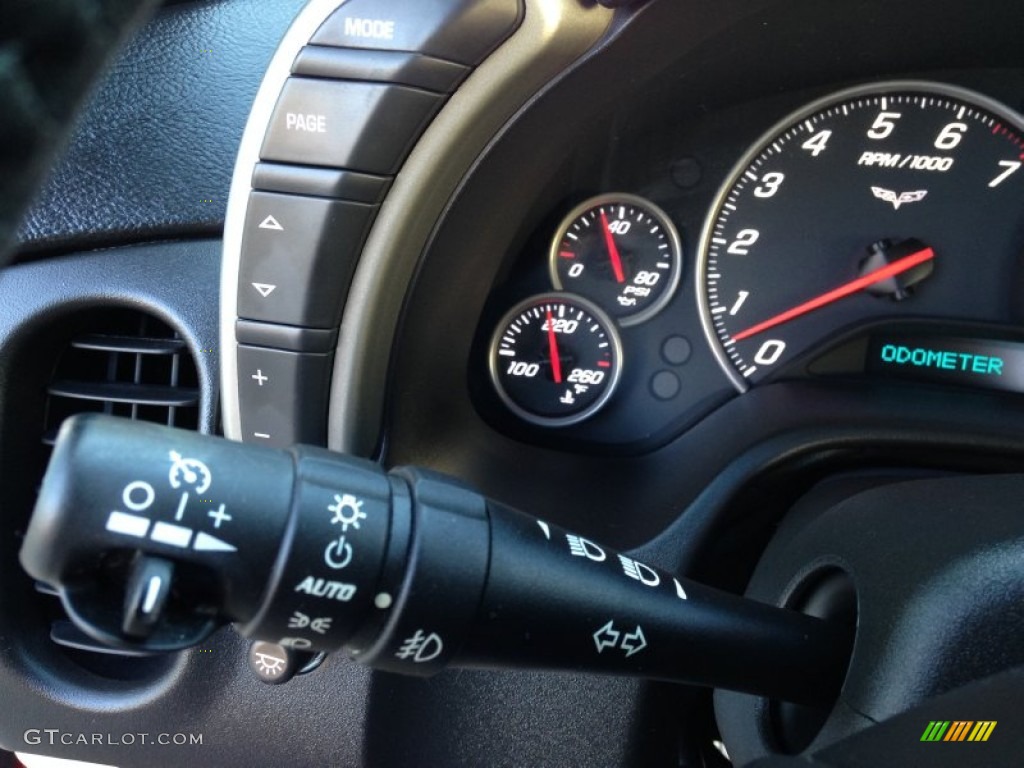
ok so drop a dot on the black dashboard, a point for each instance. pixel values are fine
(366, 292)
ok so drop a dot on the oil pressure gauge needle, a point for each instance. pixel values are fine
(875, 276)
(613, 250)
(556, 361)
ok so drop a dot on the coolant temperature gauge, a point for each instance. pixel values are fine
(555, 359)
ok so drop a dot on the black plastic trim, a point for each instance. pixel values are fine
(289, 337)
(122, 392)
(335, 183)
(400, 67)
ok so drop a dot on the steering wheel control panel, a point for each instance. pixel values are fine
(408, 571)
(837, 246)
(360, 92)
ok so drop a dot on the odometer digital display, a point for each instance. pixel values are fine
(893, 200)
(985, 363)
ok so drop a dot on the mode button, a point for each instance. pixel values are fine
(458, 30)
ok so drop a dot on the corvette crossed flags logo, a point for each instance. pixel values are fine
(898, 199)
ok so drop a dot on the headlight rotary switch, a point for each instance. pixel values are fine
(154, 537)
(322, 583)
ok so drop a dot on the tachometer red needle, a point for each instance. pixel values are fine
(556, 362)
(613, 251)
(890, 270)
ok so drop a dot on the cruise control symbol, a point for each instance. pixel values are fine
(348, 510)
(190, 472)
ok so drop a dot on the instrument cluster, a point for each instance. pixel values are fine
(874, 231)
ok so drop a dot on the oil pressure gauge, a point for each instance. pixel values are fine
(620, 251)
(555, 359)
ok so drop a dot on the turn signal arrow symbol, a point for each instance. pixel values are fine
(606, 637)
(634, 642)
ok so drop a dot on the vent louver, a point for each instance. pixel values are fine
(128, 364)
(136, 367)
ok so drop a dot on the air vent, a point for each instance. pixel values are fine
(125, 363)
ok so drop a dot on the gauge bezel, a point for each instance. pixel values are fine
(599, 315)
(772, 134)
(659, 215)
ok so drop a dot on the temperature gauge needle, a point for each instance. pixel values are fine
(883, 273)
(556, 362)
(613, 250)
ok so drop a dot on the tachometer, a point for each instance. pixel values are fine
(897, 199)
(555, 359)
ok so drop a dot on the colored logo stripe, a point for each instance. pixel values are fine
(982, 730)
(958, 730)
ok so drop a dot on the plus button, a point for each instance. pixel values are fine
(259, 377)
(219, 516)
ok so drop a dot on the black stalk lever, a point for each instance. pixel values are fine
(154, 537)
